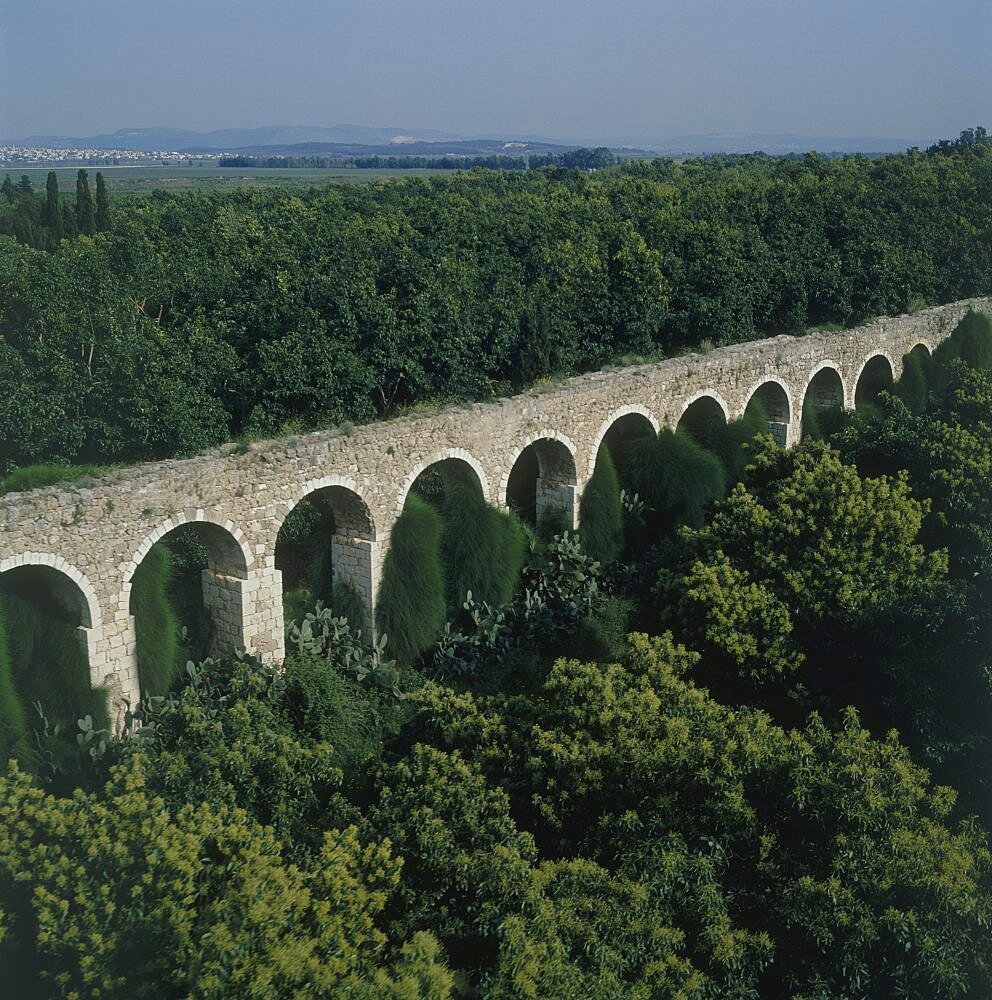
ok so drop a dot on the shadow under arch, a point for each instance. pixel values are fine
(209, 584)
(432, 476)
(876, 376)
(54, 623)
(618, 431)
(701, 414)
(775, 400)
(543, 479)
(326, 538)
(823, 396)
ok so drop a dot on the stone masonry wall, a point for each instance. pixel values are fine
(96, 532)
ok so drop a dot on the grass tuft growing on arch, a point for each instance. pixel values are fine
(156, 624)
(482, 548)
(411, 609)
(600, 511)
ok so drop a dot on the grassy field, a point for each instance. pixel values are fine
(147, 177)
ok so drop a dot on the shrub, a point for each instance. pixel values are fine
(676, 478)
(728, 441)
(601, 512)
(912, 386)
(411, 608)
(482, 548)
(155, 623)
(347, 603)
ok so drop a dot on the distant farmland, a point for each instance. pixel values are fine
(149, 177)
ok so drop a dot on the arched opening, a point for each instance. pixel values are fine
(703, 418)
(773, 401)
(875, 378)
(324, 553)
(823, 401)
(47, 621)
(542, 482)
(195, 575)
(621, 435)
(434, 480)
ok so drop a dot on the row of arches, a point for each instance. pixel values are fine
(543, 478)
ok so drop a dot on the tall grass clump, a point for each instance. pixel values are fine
(411, 610)
(677, 478)
(49, 665)
(156, 625)
(727, 441)
(34, 477)
(601, 512)
(482, 548)
(13, 722)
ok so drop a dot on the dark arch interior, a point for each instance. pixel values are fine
(876, 378)
(823, 403)
(542, 471)
(774, 402)
(45, 617)
(701, 418)
(204, 561)
(621, 435)
(52, 589)
(319, 543)
(432, 483)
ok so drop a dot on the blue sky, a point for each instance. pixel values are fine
(635, 70)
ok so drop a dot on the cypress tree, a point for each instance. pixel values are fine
(7, 190)
(102, 205)
(69, 229)
(410, 611)
(24, 185)
(482, 548)
(727, 441)
(85, 219)
(53, 211)
(601, 512)
(155, 624)
(912, 385)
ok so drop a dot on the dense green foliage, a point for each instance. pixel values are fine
(601, 512)
(411, 608)
(156, 625)
(482, 548)
(202, 317)
(676, 477)
(13, 719)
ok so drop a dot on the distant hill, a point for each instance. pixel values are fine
(363, 140)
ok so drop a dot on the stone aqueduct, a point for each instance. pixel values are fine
(93, 535)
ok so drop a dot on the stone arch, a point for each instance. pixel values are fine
(825, 388)
(548, 460)
(701, 409)
(877, 374)
(71, 588)
(224, 581)
(775, 398)
(85, 598)
(637, 418)
(352, 534)
(454, 464)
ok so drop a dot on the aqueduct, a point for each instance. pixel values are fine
(540, 445)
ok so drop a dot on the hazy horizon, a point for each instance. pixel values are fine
(621, 71)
